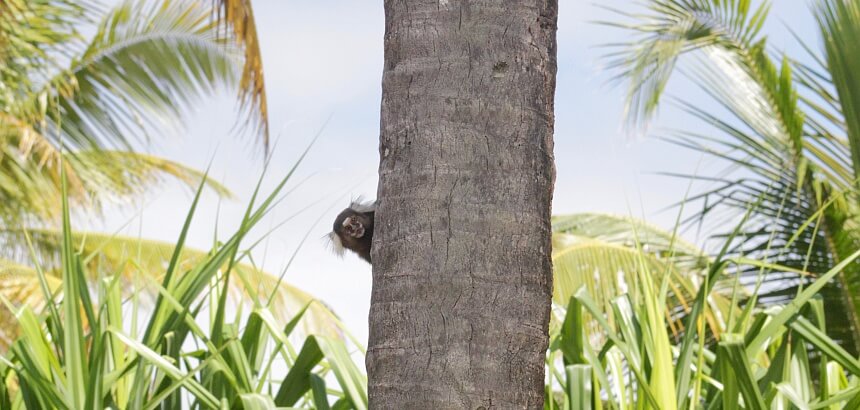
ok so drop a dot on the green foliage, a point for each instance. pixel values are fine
(604, 253)
(787, 132)
(643, 320)
(839, 22)
(630, 357)
(86, 349)
(238, 17)
(83, 103)
(761, 362)
(76, 105)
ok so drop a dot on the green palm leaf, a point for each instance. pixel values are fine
(673, 28)
(839, 22)
(19, 285)
(141, 264)
(148, 62)
(605, 254)
(30, 190)
(782, 161)
(64, 98)
(239, 17)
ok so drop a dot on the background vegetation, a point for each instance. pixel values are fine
(642, 319)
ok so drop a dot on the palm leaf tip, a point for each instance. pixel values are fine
(237, 17)
(839, 23)
(145, 66)
(607, 255)
(668, 30)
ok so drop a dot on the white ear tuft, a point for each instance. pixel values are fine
(358, 205)
(336, 244)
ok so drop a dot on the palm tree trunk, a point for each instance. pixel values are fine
(462, 275)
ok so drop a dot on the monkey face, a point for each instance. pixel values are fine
(353, 226)
(353, 230)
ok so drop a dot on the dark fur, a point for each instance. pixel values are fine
(353, 229)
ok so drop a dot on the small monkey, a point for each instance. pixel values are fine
(353, 229)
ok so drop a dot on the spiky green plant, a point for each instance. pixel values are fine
(760, 361)
(603, 253)
(87, 349)
(82, 84)
(90, 346)
(788, 132)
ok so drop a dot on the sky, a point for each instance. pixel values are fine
(323, 66)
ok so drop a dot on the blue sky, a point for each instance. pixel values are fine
(323, 64)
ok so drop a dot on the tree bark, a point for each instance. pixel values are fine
(462, 275)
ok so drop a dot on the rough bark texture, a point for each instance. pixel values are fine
(462, 275)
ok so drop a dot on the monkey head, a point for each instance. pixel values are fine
(353, 229)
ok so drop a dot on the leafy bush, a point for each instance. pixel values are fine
(621, 350)
(86, 349)
(761, 360)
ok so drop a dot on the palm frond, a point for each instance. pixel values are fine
(605, 254)
(794, 175)
(238, 16)
(141, 263)
(671, 29)
(147, 63)
(65, 99)
(30, 183)
(839, 22)
(19, 285)
(34, 36)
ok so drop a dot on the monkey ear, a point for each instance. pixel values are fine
(360, 206)
(335, 243)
